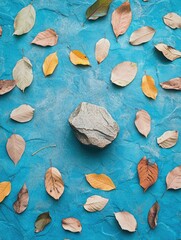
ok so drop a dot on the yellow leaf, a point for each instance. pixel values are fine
(148, 87)
(50, 64)
(78, 58)
(5, 189)
(100, 181)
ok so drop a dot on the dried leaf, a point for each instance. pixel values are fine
(6, 86)
(25, 20)
(142, 35)
(22, 73)
(15, 147)
(42, 221)
(174, 84)
(173, 179)
(46, 38)
(100, 181)
(147, 172)
(102, 49)
(126, 221)
(143, 122)
(78, 58)
(71, 224)
(172, 20)
(153, 215)
(124, 73)
(168, 139)
(98, 9)
(50, 64)
(121, 19)
(54, 183)
(22, 201)
(148, 87)
(23, 113)
(169, 52)
(5, 189)
(1, 31)
(95, 203)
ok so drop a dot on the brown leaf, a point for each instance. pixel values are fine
(147, 172)
(95, 203)
(6, 86)
(71, 224)
(172, 20)
(153, 215)
(22, 201)
(148, 87)
(22, 114)
(169, 52)
(174, 84)
(42, 221)
(142, 35)
(46, 38)
(126, 221)
(121, 19)
(173, 179)
(1, 31)
(143, 122)
(15, 147)
(168, 139)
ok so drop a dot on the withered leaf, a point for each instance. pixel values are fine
(71, 224)
(1, 31)
(126, 221)
(98, 9)
(142, 35)
(173, 179)
(172, 20)
(143, 122)
(102, 49)
(168, 139)
(173, 84)
(95, 203)
(50, 63)
(22, 114)
(153, 215)
(42, 221)
(5, 189)
(79, 58)
(169, 52)
(46, 38)
(6, 86)
(22, 201)
(148, 87)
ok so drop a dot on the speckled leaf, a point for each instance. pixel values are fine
(78, 58)
(102, 49)
(98, 9)
(50, 63)
(100, 181)
(121, 19)
(147, 172)
(168, 139)
(173, 84)
(124, 73)
(71, 224)
(126, 221)
(173, 179)
(22, 201)
(25, 20)
(153, 215)
(5, 189)
(23, 113)
(42, 221)
(46, 38)
(169, 52)
(172, 20)
(95, 203)
(143, 122)
(22, 73)
(148, 87)
(142, 35)
(6, 86)
(15, 147)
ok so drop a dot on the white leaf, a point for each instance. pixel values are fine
(126, 221)
(142, 35)
(168, 139)
(102, 49)
(95, 203)
(143, 122)
(23, 113)
(172, 20)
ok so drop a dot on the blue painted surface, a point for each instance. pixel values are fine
(55, 97)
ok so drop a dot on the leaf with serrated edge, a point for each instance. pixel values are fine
(142, 35)
(5, 189)
(172, 20)
(95, 203)
(22, 200)
(71, 224)
(169, 52)
(98, 9)
(126, 221)
(148, 87)
(173, 178)
(22, 114)
(168, 139)
(50, 63)
(46, 38)
(143, 122)
(6, 86)
(102, 49)
(42, 221)
(173, 84)
(153, 215)
(78, 58)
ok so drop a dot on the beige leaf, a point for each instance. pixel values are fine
(142, 35)
(102, 49)
(174, 84)
(71, 224)
(46, 38)
(169, 52)
(79, 58)
(126, 221)
(168, 139)
(15, 147)
(5, 189)
(95, 203)
(50, 64)
(172, 20)
(6, 86)
(121, 19)
(53, 183)
(153, 215)
(22, 201)
(173, 179)
(143, 122)
(148, 87)
(124, 73)
(23, 113)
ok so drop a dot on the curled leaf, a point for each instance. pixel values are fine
(50, 64)
(71, 224)
(15, 147)
(100, 181)
(124, 73)
(147, 172)
(23, 113)
(121, 19)
(153, 215)
(168, 139)
(5, 189)
(78, 58)
(95, 203)
(173, 84)
(46, 38)
(169, 52)
(6, 86)
(173, 179)
(142, 35)
(148, 87)
(98, 9)
(143, 122)
(126, 221)
(172, 20)
(102, 49)
(42, 221)
(22, 201)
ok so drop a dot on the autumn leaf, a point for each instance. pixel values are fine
(71, 224)
(173, 179)
(6, 86)
(143, 122)
(126, 221)
(5, 189)
(22, 201)
(172, 20)
(42, 221)
(100, 181)
(148, 87)
(102, 49)
(168, 139)
(95, 203)
(173, 84)
(147, 172)
(142, 35)
(1, 31)
(50, 64)
(78, 58)
(98, 9)
(153, 215)
(169, 52)
(46, 38)
(23, 113)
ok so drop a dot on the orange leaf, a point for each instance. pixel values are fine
(50, 64)
(5, 189)
(148, 87)
(78, 58)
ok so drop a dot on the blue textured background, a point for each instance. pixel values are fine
(55, 97)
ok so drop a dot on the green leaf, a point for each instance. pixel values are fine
(98, 9)
(42, 221)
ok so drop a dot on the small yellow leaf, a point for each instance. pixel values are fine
(148, 87)
(50, 64)
(5, 189)
(100, 181)
(78, 58)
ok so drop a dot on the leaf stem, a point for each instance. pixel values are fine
(49, 146)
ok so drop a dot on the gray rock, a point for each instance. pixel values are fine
(93, 125)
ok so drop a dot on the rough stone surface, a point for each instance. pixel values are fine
(93, 125)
